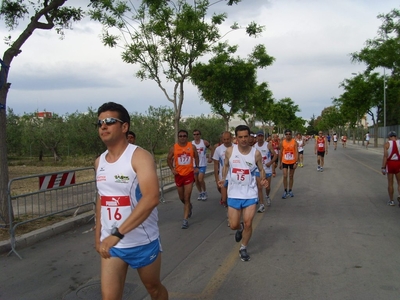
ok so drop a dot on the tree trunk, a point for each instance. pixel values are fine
(5, 215)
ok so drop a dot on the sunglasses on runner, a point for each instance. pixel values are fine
(108, 121)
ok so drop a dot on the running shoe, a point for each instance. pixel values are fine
(268, 201)
(238, 234)
(244, 256)
(285, 194)
(205, 196)
(290, 194)
(318, 168)
(391, 203)
(190, 211)
(321, 169)
(185, 224)
(200, 197)
(261, 209)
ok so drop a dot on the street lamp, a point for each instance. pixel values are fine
(358, 123)
(384, 102)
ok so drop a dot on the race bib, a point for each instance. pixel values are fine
(184, 159)
(241, 176)
(115, 208)
(289, 156)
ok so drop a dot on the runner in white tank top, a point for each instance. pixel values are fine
(268, 162)
(201, 146)
(241, 161)
(126, 208)
(119, 192)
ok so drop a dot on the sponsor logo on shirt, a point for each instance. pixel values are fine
(121, 178)
(101, 178)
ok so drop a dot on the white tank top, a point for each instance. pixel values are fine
(201, 151)
(119, 192)
(219, 154)
(266, 156)
(300, 145)
(390, 150)
(241, 178)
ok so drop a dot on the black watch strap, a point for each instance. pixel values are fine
(115, 232)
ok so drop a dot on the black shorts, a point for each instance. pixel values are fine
(287, 166)
(322, 154)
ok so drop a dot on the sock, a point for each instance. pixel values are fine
(290, 191)
(286, 190)
(242, 247)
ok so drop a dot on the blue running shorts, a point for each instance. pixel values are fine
(138, 257)
(241, 203)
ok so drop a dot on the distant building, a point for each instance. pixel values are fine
(44, 114)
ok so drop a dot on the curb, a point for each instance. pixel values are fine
(44, 233)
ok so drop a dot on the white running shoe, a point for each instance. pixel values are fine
(268, 199)
(261, 209)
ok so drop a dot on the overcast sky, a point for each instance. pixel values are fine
(310, 39)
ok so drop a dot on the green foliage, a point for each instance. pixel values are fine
(210, 127)
(75, 135)
(284, 115)
(12, 12)
(229, 84)
(154, 130)
(164, 38)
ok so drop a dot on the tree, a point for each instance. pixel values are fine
(331, 118)
(154, 130)
(384, 51)
(284, 114)
(81, 133)
(228, 83)
(44, 15)
(165, 39)
(362, 94)
(211, 127)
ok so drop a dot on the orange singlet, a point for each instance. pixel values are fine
(184, 158)
(288, 156)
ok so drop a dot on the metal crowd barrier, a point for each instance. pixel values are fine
(58, 193)
(165, 177)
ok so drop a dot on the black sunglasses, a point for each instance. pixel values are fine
(108, 121)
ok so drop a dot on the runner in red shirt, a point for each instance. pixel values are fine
(321, 148)
(391, 165)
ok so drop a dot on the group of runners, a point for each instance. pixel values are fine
(127, 232)
(244, 165)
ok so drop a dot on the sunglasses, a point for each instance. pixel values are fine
(108, 121)
(182, 136)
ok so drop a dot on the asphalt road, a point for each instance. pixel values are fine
(336, 239)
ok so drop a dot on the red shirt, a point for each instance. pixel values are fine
(321, 144)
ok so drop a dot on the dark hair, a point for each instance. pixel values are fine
(130, 132)
(197, 130)
(183, 130)
(123, 114)
(288, 130)
(242, 128)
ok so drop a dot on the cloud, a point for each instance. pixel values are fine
(310, 40)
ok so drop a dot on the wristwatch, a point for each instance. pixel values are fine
(115, 232)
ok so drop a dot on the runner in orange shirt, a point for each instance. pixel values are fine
(180, 160)
(288, 162)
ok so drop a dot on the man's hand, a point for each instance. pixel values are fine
(106, 245)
